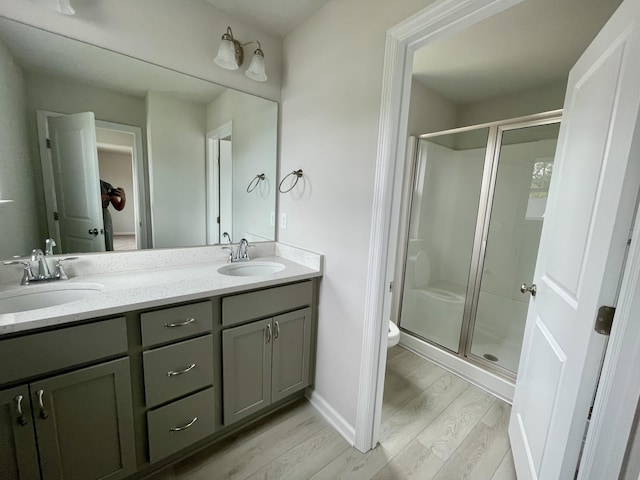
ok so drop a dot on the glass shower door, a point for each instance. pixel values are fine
(525, 165)
(444, 208)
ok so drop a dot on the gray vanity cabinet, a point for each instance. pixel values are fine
(265, 361)
(18, 454)
(291, 361)
(84, 424)
(77, 424)
(246, 369)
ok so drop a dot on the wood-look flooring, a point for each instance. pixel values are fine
(434, 426)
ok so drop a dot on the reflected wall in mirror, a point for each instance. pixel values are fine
(182, 149)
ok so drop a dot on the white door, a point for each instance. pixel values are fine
(74, 157)
(592, 197)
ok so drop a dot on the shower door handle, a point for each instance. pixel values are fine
(533, 289)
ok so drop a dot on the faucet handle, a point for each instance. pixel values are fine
(60, 273)
(230, 258)
(27, 275)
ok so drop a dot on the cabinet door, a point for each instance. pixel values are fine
(291, 353)
(18, 455)
(246, 369)
(84, 423)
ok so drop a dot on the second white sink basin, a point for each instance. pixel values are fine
(251, 269)
(47, 295)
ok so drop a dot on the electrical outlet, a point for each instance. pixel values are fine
(272, 219)
(283, 221)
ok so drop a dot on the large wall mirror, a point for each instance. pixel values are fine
(82, 128)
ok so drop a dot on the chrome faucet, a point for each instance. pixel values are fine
(43, 267)
(241, 253)
(44, 271)
(243, 250)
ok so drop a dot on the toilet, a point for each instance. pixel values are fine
(394, 335)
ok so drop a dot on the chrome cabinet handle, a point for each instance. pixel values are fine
(22, 420)
(533, 289)
(43, 412)
(184, 427)
(179, 324)
(276, 332)
(180, 372)
(268, 334)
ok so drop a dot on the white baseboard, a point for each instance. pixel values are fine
(329, 413)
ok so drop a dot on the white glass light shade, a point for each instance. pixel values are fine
(256, 68)
(64, 7)
(226, 55)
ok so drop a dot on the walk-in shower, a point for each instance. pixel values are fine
(471, 238)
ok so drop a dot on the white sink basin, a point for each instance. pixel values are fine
(251, 269)
(35, 297)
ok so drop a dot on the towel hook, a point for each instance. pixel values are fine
(297, 173)
(254, 183)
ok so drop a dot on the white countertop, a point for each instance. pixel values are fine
(134, 281)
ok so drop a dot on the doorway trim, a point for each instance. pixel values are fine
(443, 18)
(142, 211)
(212, 179)
(619, 387)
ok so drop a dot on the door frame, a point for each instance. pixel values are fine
(212, 177)
(142, 210)
(618, 388)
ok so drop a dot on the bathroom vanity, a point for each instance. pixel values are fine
(159, 363)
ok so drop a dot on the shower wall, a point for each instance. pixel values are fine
(444, 215)
(446, 204)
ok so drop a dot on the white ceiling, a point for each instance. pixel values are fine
(277, 17)
(530, 45)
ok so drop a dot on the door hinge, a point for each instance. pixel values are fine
(48, 143)
(390, 287)
(604, 321)
(217, 219)
(55, 215)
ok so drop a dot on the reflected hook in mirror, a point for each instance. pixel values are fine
(254, 183)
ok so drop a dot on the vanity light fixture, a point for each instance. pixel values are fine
(231, 56)
(64, 7)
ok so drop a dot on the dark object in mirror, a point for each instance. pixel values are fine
(157, 135)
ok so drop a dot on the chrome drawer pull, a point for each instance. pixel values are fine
(184, 427)
(180, 324)
(22, 421)
(43, 413)
(267, 338)
(180, 372)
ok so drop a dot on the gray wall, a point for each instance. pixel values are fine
(19, 230)
(254, 145)
(180, 34)
(176, 131)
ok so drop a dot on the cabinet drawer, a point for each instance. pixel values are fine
(264, 303)
(39, 353)
(169, 324)
(177, 369)
(179, 424)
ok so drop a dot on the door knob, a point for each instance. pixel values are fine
(533, 289)
(93, 231)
